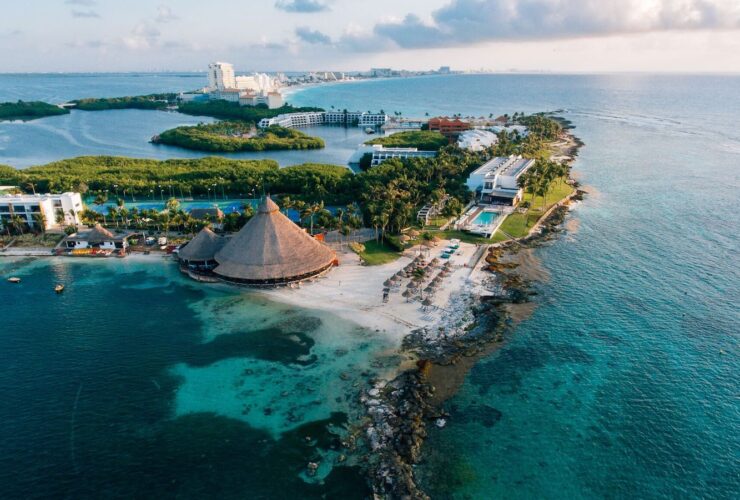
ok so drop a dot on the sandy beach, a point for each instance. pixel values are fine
(355, 292)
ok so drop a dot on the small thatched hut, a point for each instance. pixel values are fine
(271, 250)
(199, 253)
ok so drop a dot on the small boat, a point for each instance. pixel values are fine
(59, 288)
(14, 280)
(369, 130)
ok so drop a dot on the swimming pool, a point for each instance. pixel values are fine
(485, 218)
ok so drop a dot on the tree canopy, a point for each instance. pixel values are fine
(151, 101)
(424, 140)
(226, 110)
(230, 136)
(31, 110)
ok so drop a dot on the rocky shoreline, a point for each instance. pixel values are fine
(400, 411)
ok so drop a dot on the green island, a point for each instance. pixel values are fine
(423, 140)
(151, 101)
(230, 136)
(31, 110)
(226, 110)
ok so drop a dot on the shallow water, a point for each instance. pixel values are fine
(137, 382)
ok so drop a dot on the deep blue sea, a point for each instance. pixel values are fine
(623, 383)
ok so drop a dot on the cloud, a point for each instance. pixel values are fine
(312, 36)
(165, 15)
(87, 44)
(144, 36)
(302, 6)
(464, 22)
(86, 3)
(85, 14)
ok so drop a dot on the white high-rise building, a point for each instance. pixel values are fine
(221, 76)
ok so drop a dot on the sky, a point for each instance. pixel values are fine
(354, 35)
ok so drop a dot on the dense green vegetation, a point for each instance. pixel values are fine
(142, 177)
(424, 140)
(541, 126)
(226, 110)
(387, 196)
(151, 101)
(22, 110)
(229, 137)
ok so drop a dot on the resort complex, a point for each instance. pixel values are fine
(270, 250)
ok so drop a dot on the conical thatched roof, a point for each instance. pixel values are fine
(203, 247)
(271, 248)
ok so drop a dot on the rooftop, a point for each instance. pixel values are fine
(512, 166)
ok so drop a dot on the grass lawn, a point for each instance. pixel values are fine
(461, 235)
(436, 222)
(518, 225)
(377, 253)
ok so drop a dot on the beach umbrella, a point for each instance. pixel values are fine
(407, 294)
(404, 238)
(427, 302)
(412, 285)
(387, 283)
(429, 289)
(386, 291)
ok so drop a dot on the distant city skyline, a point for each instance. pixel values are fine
(343, 35)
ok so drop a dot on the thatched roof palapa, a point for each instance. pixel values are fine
(203, 247)
(271, 249)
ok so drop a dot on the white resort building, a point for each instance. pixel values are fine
(294, 120)
(306, 119)
(476, 140)
(496, 181)
(380, 153)
(358, 118)
(249, 90)
(34, 207)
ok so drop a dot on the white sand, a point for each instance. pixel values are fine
(355, 292)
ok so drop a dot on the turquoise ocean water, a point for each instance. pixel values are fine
(623, 382)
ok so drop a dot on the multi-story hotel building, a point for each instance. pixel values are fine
(34, 208)
(294, 120)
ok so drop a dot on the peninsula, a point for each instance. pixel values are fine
(32, 110)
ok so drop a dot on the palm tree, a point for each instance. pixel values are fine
(39, 220)
(18, 222)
